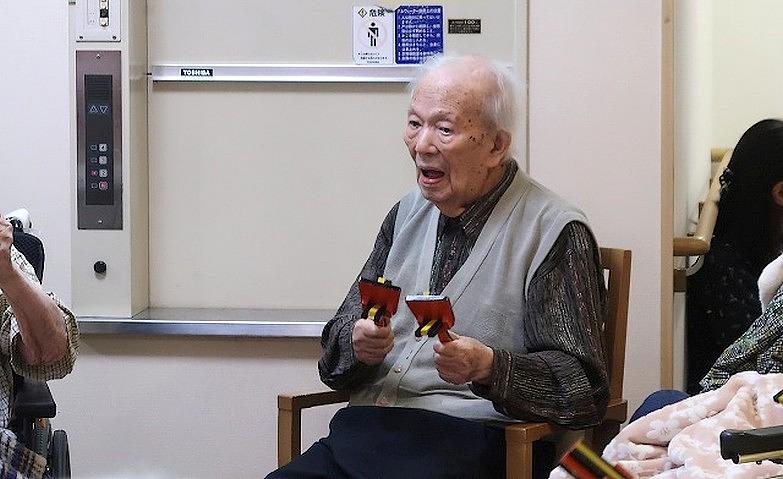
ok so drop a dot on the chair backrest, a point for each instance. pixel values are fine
(618, 264)
(32, 248)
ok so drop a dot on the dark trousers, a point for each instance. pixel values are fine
(375, 442)
(658, 400)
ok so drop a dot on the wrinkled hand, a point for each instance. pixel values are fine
(463, 360)
(371, 343)
(6, 240)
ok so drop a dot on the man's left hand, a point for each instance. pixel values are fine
(463, 360)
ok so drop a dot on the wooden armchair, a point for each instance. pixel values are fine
(519, 436)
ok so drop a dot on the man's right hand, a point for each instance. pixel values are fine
(371, 343)
(6, 240)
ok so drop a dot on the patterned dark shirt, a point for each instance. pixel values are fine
(759, 349)
(722, 301)
(562, 378)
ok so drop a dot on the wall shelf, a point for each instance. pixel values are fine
(269, 323)
(292, 73)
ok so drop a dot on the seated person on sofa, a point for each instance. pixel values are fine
(38, 339)
(521, 268)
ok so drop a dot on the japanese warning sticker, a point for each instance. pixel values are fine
(373, 35)
(419, 32)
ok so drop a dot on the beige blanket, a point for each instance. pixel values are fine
(682, 440)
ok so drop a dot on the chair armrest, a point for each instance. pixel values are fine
(519, 447)
(527, 431)
(617, 411)
(34, 399)
(533, 431)
(297, 402)
(289, 420)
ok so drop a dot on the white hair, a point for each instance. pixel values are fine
(500, 106)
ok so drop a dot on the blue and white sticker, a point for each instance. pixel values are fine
(419, 32)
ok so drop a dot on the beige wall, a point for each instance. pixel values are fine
(727, 77)
(595, 103)
(191, 407)
(34, 127)
(247, 146)
(185, 408)
(748, 70)
(694, 115)
(693, 79)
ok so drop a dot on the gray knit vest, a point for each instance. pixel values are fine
(486, 294)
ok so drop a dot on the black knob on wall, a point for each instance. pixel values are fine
(99, 267)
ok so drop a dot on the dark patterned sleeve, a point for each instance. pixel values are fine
(338, 367)
(562, 377)
(759, 349)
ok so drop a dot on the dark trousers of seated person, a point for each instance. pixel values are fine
(658, 400)
(383, 442)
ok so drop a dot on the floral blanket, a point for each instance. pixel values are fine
(682, 440)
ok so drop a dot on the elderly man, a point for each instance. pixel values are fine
(38, 339)
(522, 271)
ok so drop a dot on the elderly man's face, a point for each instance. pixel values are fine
(457, 155)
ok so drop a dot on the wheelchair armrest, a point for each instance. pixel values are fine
(34, 399)
(752, 445)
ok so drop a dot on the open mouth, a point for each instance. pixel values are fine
(431, 174)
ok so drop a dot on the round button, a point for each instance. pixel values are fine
(99, 267)
(398, 370)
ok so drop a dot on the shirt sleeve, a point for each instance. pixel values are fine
(562, 377)
(338, 367)
(44, 372)
(759, 349)
(11, 340)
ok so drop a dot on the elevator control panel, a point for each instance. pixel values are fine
(99, 140)
(97, 20)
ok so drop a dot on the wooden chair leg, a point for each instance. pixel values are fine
(519, 460)
(289, 440)
(602, 434)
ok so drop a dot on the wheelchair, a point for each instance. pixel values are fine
(754, 445)
(32, 405)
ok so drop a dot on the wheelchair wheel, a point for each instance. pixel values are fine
(59, 459)
(42, 433)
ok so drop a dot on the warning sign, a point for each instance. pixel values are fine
(373, 35)
(419, 32)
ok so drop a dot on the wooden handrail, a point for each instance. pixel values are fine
(699, 243)
(717, 154)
